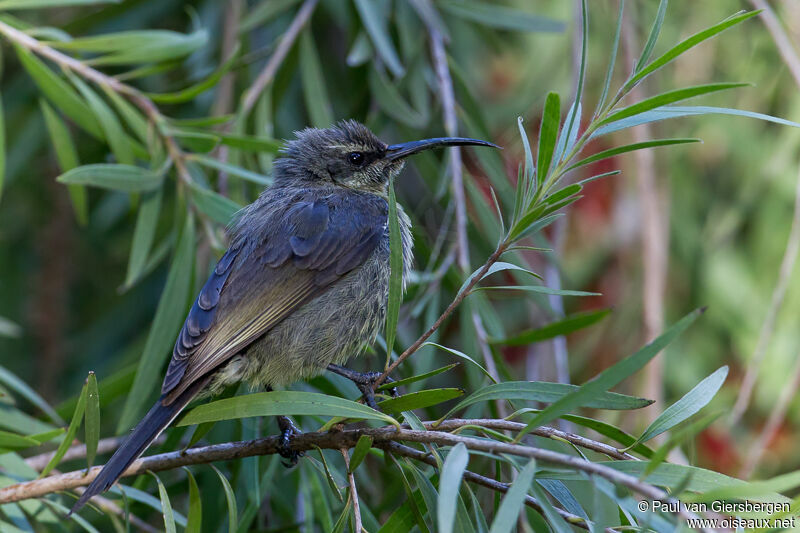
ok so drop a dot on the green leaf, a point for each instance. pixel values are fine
(688, 405)
(92, 419)
(126, 178)
(612, 61)
(230, 497)
(679, 437)
(316, 96)
(611, 152)
(541, 289)
(166, 323)
(137, 47)
(396, 272)
(667, 98)
(611, 376)
(233, 170)
(418, 400)
(13, 441)
(117, 140)
(190, 93)
(685, 45)
(666, 112)
(449, 485)
(60, 93)
(280, 403)
(497, 266)
(67, 157)
(10, 380)
(74, 424)
(264, 12)
(548, 131)
(558, 328)
(360, 451)
(166, 506)
(462, 355)
(194, 518)
(512, 502)
(214, 205)
(414, 379)
(389, 99)
(569, 133)
(144, 232)
(374, 20)
(543, 391)
(501, 17)
(655, 31)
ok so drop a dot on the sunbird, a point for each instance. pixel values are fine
(303, 286)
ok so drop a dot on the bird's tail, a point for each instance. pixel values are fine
(145, 432)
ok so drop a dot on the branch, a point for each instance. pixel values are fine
(351, 479)
(337, 440)
(68, 63)
(266, 76)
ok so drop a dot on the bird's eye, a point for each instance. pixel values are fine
(356, 158)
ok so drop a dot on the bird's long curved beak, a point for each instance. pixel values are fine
(398, 151)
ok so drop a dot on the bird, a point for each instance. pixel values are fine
(302, 287)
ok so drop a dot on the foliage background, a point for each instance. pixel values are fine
(727, 204)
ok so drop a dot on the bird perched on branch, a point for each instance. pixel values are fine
(303, 286)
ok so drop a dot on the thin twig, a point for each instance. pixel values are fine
(792, 59)
(351, 479)
(347, 438)
(447, 312)
(266, 76)
(69, 63)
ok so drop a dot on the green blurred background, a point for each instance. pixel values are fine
(727, 203)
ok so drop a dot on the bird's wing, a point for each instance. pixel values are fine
(263, 278)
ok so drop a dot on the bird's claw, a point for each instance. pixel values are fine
(288, 430)
(365, 381)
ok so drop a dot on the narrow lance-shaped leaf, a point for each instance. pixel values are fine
(685, 45)
(60, 93)
(449, 485)
(554, 329)
(512, 502)
(92, 419)
(679, 437)
(668, 98)
(67, 157)
(230, 497)
(280, 403)
(126, 178)
(396, 273)
(72, 430)
(419, 400)
(2, 148)
(611, 376)
(611, 152)
(612, 61)
(548, 132)
(188, 94)
(166, 321)
(10, 380)
(374, 20)
(688, 405)
(166, 506)
(214, 205)
(360, 451)
(194, 518)
(655, 31)
(316, 96)
(144, 232)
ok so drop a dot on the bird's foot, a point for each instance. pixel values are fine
(365, 381)
(288, 430)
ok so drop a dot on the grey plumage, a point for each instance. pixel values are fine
(303, 285)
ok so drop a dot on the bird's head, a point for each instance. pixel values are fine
(350, 155)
